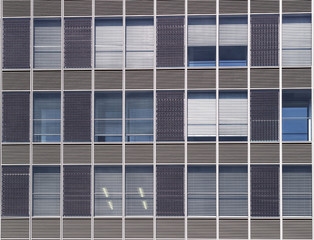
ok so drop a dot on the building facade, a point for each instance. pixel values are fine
(165, 119)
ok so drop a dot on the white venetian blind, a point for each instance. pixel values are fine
(296, 40)
(201, 31)
(47, 44)
(233, 31)
(108, 43)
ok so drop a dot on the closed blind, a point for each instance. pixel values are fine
(108, 43)
(47, 43)
(201, 31)
(233, 31)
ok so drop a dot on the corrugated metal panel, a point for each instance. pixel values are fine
(46, 228)
(16, 80)
(139, 7)
(16, 8)
(46, 154)
(265, 229)
(108, 228)
(14, 228)
(296, 5)
(108, 7)
(139, 228)
(297, 229)
(170, 7)
(296, 153)
(201, 6)
(76, 228)
(47, 80)
(139, 79)
(265, 153)
(15, 154)
(233, 228)
(136, 153)
(77, 80)
(232, 78)
(233, 152)
(201, 79)
(77, 7)
(170, 79)
(170, 153)
(47, 7)
(201, 228)
(170, 228)
(108, 153)
(296, 77)
(264, 6)
(264, 78)
(232, 6)
(201, 153)
(76, 154)
(108, 79)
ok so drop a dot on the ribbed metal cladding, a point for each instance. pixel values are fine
(296, 77)
(77, 7)
(47, 80)
(77, 42)
(296, 153)
(77, 153)
(233, 152)
(264, 115)
(108, 7)
(264, 153)
(201, 6)
(265, 191)
(201, 78)
(76, 190)
(170, 7)
(15, 191)
(77, 116)
(296, 5)
(201, 153)
(139, 79)
(297, 229)
(139, 153)
(232, 6)
(46, 154)
(170, 153)
(16, 40)
(265, 229)
(264, 6)
(264, 40)
(16, 8)
(14, 228)
(108, 228)
(15, 120)
(139, 7)
(76, 228)
(139, 228)
(170, 115)
(77, 80)
(108, 153)
(45, 228)
(170, 191)
(170, 40)
(201, 228)
(15, 154)
(16, 80)
(170, 228)
(233, 78)
(47, 8)
(233, 228)
(170, 79)
(264, 78)
(108, 79)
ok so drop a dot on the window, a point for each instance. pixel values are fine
(139, 116)
(108, 191)
(47, 117)
(108, 43)
(233, 39)
(46, 191)
(139, 42)
(202, 41)
(297, 190)
(296, 115)
(201, 116)
(233, 116)
(296, 40)
(201, 190)
(108, 116)
(47, 43)
(139, 190)
(233, 191)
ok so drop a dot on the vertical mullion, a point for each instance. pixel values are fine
(312, 103)
(217, 119)
(1, 54)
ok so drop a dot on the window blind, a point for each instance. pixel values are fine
(47, 44)
(108, 191)
(108, 43)
(139, 42)
(46, 191)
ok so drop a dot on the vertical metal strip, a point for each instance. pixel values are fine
(312, 103)
(1, 59)
(217, 119)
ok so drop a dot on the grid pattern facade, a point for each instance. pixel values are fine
(177, 119)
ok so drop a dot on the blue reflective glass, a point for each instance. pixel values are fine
(232, 56)
(202, 56)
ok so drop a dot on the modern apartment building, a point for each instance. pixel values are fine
(156, 119)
